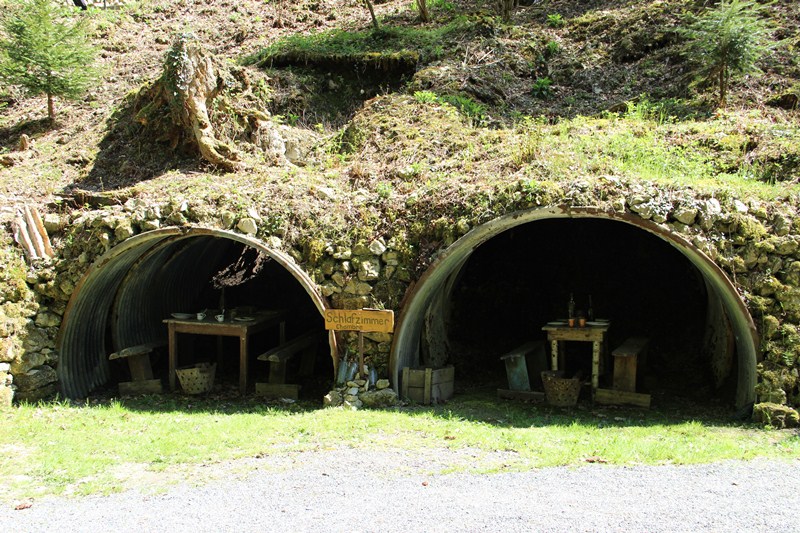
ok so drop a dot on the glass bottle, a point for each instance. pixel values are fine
(571, 306)
(590, 310)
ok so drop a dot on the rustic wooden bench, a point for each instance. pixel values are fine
(279, 356)
(519, 380)
(138, 358)
(626, 358)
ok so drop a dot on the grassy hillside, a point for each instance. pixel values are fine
(565, 90)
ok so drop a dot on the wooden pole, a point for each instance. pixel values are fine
(361, 354)
(33, 233)
(37, 221)
(21, 236)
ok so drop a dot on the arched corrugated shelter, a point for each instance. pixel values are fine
(128, 291)
(421, 320)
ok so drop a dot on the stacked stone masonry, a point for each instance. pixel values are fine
(757, 244)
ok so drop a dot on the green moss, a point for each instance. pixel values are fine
(388, 45)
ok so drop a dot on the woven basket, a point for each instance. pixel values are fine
(198, 378)
(560, 391)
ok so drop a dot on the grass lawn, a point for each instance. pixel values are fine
(147, 443)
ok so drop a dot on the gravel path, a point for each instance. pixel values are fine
(351, 490)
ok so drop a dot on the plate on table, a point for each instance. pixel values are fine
(182, 316)
(557, 323)
(597, 323)
(244, 319)
(602, 320)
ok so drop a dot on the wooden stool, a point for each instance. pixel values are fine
(138, 358)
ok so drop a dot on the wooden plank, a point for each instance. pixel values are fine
(275, 390)
(173, 354)
(243, 353)
(625, 373)
(418, 377)
(618, 397)
(375, 320)
(33, 233)
(133, 388)
(443, 375)
(139, 349)
(415, 378)
(22, 237)
(528, 396)
(517, 371)
(36, 219)
(287, 350)
(523, 349)
(442, 392)
(140, 368)
(277, 372)
(631, 346)
(576, 334)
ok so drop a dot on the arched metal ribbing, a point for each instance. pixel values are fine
(406, 345)
(115, 288)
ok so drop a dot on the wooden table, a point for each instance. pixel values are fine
(596, 334)
(227, 328)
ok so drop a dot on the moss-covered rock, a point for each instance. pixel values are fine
(776, 415)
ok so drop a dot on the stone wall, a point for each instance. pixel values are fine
(756, 243)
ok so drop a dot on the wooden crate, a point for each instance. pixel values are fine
(428, 385)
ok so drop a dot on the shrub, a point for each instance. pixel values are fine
(726, 41)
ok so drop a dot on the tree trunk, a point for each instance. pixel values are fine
(202, 87)
(175, 106)
(723, 87)
(422, 8)
(51, 108)
(372, 13)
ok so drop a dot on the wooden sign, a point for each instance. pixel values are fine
(374, 320)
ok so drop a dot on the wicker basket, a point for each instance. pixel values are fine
(198, 378)
(560, 391)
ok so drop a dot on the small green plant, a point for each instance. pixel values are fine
(542, 87)
(555, 20)
(467, 106)
(551, 49)
(426, 97)
(384, 189)
(727, 41)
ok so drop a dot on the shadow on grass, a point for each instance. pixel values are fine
(10, 135)
(477, 404)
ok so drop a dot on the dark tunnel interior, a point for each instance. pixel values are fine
(213, 273)
(521, 279)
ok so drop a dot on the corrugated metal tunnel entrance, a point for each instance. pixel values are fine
(494, 288)
(124, 298)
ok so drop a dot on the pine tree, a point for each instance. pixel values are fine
(45, 50)
(727, 40)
